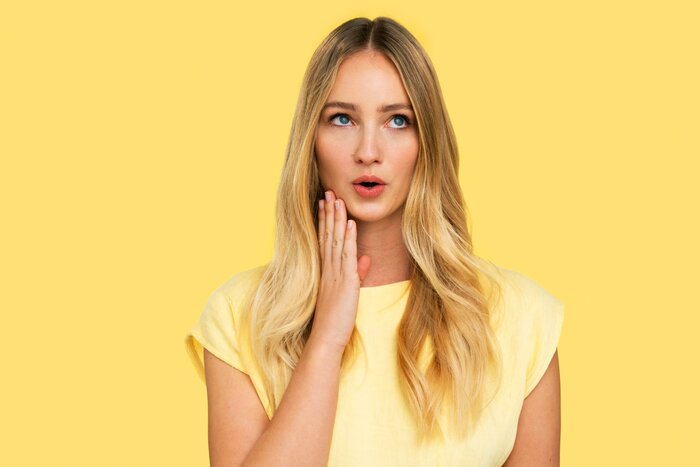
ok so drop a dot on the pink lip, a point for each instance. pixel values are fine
(369, 178)
(366, 191)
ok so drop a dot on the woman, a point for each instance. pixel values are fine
(375, 336)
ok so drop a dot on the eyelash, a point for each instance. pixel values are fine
(406, 119)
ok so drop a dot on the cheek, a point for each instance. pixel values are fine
(325, 169)
(408, 158)
(330, 156)
(405, 146)
(335, 142)
(323, 177)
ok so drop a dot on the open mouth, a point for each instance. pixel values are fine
(369, 189)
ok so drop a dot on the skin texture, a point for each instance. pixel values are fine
(361, 135)
(360, 245)
(367, 140)
(538, 438)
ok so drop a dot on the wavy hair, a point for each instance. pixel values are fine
(446, 346)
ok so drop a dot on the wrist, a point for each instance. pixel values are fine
(324, 347)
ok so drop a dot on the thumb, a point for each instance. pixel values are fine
(363, 263)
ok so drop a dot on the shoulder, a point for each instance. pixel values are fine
(527, 320)
(516, 286)
(521, 298)
(226, 301)
(220, 327)
(527, 290)
(238, 285)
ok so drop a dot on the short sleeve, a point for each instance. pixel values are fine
(216, 331)
(221, 329)
(547, 318)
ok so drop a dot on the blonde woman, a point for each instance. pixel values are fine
(375, 336)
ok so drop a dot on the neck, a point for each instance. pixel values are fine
(383, 243)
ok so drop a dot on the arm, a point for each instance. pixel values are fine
(300, 432)
(234, 412)
(539, 427)
(301, 429)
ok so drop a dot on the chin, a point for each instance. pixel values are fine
(369, 215)
(367, 218)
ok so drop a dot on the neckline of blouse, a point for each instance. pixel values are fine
(383, 296)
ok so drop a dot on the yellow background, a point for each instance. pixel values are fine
(141, 145)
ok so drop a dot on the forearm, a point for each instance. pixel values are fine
(300, 432)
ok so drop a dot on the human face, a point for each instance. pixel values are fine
(368, 129)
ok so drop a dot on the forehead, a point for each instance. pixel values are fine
(368, 76)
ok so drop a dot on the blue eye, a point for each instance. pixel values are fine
(398, 121)
(340, 119)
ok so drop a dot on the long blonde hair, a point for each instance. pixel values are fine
(448, 307)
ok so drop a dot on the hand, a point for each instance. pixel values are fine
(341, 274)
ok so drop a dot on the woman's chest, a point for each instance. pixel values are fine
(375, 423)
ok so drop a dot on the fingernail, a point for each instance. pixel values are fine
(320, 204)
(328, 196)
(337, 204)
(350, 225)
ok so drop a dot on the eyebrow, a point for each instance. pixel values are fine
(385, 108)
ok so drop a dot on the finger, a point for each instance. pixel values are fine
(321, 226)
(341, 223)
(349, 265)
(328, 228)
(363, 266)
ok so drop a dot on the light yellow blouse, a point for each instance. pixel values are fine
(374, 424)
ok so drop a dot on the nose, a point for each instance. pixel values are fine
(368, 148)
